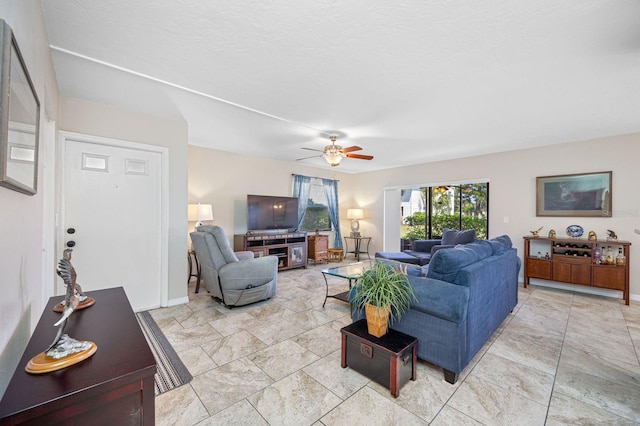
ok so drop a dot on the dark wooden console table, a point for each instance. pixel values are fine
(114, 386)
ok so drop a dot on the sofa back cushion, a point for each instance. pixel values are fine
(445, 264)
(452, 237)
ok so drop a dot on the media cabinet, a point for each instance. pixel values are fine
(572, 261)
(290, 248)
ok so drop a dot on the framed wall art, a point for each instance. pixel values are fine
(576, 195)
(19, 118)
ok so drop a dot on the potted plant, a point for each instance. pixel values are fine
(383, 291)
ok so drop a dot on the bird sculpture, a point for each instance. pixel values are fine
(64, 345)
(536, 233)
(611, 235)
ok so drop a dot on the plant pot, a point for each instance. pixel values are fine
(377, 319)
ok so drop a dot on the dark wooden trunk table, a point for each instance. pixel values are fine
(114, 386)
(389, 360)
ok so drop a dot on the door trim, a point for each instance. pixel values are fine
(63, 136)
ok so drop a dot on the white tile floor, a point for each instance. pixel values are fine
(560, 358)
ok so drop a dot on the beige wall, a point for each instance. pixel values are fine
(224, 180)
(22, 218)
(96, 119)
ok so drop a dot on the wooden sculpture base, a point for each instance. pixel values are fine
(89, 301)
(42, 363)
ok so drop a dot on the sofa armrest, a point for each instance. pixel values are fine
(245, 255)
(434, 249)
(424, 245)
(254, 273)
(440, 299)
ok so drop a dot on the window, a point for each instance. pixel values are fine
(317, 214)
(427, 211)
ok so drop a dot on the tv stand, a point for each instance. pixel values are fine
(289, 247)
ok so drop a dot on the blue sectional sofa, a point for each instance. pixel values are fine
(467, 292)
(423, 250)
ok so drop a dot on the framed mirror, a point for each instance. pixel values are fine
(19, 118)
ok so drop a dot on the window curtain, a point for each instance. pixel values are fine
(301, 186)
(331, 191)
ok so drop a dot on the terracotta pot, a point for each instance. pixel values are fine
(377, 319)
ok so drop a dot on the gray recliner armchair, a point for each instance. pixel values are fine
(234, 279)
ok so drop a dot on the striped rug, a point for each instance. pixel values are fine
(171, 371)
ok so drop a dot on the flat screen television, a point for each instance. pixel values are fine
(269, 213)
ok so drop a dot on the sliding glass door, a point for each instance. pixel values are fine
(427, 211)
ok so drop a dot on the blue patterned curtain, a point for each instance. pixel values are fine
(331, 191)
(301, 186)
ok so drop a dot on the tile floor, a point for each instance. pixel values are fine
(560, 358)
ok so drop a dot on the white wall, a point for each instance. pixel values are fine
(224, 180)
(22, 219)
(512, 190)
(96, 119)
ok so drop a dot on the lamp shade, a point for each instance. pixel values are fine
(199, 212)
(355, 214)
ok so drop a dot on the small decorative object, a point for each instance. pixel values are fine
(592, 236)
(536, 233)
(539, 255)
(575, 231)
(546, 256)
(610, 257)
(621, 259)
(383, 292)
(552, 234)
(611, 236)
(64, 351)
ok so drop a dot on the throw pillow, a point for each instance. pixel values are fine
(453, 237)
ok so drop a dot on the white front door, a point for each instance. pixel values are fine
(112, 211)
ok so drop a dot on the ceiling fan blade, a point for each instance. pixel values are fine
(351, 148)
(313, 149)
(305, 158)
(359, 156)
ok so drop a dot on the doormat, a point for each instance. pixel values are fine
(171, 372)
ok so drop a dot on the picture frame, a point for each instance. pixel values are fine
(574, 195)
(19, 118)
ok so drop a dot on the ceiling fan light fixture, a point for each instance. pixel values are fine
(333, 154)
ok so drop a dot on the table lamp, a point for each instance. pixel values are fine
(199, 213)
(354, 215)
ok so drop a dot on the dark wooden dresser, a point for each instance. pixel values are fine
(114, 386)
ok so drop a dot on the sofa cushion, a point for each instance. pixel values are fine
(501, 244)
(423, 258)
(445, 264)
(398, 256)
(453, 237)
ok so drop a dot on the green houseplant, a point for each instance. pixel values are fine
(383, 291)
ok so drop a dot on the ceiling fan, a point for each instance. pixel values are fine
(335, 153)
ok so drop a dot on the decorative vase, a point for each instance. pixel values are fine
(377, 319)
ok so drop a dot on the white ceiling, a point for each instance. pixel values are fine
(409, 81)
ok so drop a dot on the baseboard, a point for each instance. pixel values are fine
(178, 301)
(582, 289)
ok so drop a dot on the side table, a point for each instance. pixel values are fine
(389, 360)
(358, 248)
(193, 258)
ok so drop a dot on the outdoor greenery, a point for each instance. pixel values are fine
(316, 217)
(458, 207)
(384, 285)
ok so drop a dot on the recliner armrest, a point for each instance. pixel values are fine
(254, 272)
(245, 255)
